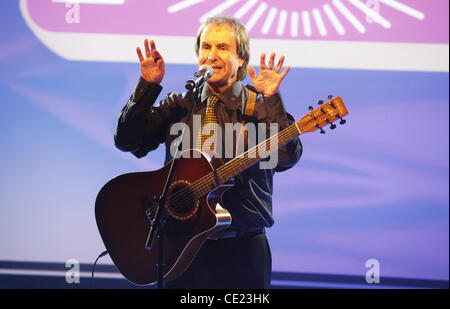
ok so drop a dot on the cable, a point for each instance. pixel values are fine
(93, 267)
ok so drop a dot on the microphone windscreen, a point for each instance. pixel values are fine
(203, 69)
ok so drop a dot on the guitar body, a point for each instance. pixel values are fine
(124, 205)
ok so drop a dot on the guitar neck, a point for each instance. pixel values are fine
(257, 153)
(240, 163)
(325, 114)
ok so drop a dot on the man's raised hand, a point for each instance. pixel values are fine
(152, 66)
(269, 79)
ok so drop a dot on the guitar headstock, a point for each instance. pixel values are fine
(325, 114)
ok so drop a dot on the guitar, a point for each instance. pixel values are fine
(125, 205)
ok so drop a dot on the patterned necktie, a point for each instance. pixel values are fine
(208, 135)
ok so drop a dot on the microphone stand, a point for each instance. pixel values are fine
(158, 224)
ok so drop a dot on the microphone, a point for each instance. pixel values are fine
(204, 73)
(205, 68)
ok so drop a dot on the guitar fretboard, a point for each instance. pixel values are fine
(321, 116)
(240, 163)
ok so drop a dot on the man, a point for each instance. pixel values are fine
(239, 256)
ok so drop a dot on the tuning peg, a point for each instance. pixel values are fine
(342, 119)
(332, 125)
(320, 102)
(318, 127)
(330, 97)
(310, 108)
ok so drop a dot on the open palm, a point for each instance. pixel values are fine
(152, 66)
(269, 78)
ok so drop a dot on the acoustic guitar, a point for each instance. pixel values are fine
(125, 206)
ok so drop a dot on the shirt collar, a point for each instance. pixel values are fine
(232, 97)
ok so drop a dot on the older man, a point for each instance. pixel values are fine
(239, 256)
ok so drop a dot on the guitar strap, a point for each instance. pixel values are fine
(248, 112)
(250, 105)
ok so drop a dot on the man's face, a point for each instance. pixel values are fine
(218, 49)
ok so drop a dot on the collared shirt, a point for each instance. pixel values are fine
(142, 127)
(232, 97)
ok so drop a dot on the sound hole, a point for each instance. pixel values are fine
(181, 204)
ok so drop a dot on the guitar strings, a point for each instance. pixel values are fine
(182, 196)
(202, 185)
(179, 199)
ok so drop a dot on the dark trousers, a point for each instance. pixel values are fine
(240, 263)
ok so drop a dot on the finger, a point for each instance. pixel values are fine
(279, 65)
(271, 61)
(285, 72)
(262, 62)
(139, 53)
(152, 45)
(153, 48)
(147, 48)
(251, 72)
(155, 54)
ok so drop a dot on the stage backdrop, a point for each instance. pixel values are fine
(374, 188)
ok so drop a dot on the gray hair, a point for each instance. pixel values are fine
(242, 39)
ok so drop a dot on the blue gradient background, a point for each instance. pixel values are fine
(376, 187)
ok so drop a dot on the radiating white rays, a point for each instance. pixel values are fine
(404, 8)
(306, 23)
(334, 20)
(256, 16)
(245, 8)
(269, 20)
(350, 17)
(371, 13)
(218, 9)
(319, 22)
(282, 18)
(282, 22)
(294, 24)
(182, 5)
